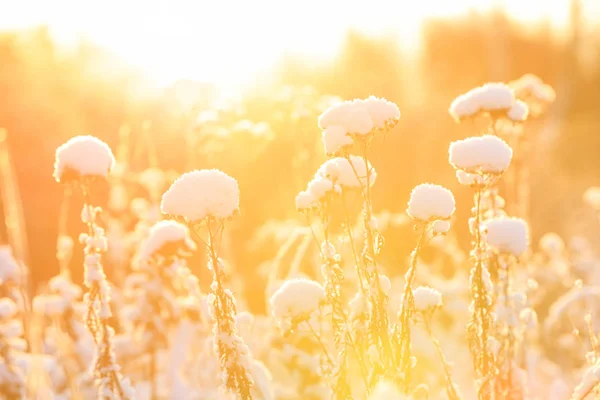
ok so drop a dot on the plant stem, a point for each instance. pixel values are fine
(450, 388)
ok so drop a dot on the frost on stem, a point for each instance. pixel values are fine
(12, 377)
(208, 198)
(79, 161)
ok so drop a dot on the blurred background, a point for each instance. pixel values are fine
(239, 86)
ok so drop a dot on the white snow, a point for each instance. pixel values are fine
(348, 174)
(304, 200)
(163, 233)
(518, 112)
(202, 193)
(85, 156)
(484, 154)
(490, 97)
(430, 202)
(426, 298)
(297, 298)
(508, 235)
(335, 138)
(9, 269)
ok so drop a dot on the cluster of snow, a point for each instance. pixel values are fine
(336, 138)
(441, 226)
(356, 117)
(491, 97)
(83, 156)
(518, 112)
(348, 173)
(9, 268)
(200, 194)
(467, 179)
(531, 85)
(429, 202)
(387, 391)
(426, 298)
(508, 235)
(297, 298)
(333, 176)
(480, 154)
(8, 308)
(165, 233)
(592, 197)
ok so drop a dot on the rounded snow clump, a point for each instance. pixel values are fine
(387, 391)
(348, 174)
(319, 187)
(200, 194)
(353, 116)
(491, 98)
(441, 226)
(480, 154)
(508, 235)
(518, 112)
(592, 197)
(8, 308)
(533, 91)
(426, 298)
(9, 268)
(467, 179)
(383, 113)
(297, 298)
(304, 200)
(335, 138)
(429, 202)
(356, 117)
(166, 238)
(81, 157)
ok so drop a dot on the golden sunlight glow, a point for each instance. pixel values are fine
(227, 41)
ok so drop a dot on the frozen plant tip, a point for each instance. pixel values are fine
(82, 157)
(199, 194)
(166, 239)
(297, 298)
(508, 235)
(427, 299)
(492, 98)
(480, 155)
(429, 202)
(349, 173)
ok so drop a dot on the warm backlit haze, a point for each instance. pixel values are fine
(335, 234)
(232, 41)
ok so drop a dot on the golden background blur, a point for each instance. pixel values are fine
(123, 87)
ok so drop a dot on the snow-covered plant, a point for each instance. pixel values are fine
(429, 206)
(157, 300)
(79, 162)
(207, 199)
(12, 376)
(534, 92)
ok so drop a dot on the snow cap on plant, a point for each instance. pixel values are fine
(481, 154)
(166, 238)
(491, 98)
(426, 298)
(336, 138)
(82, 157)
(348, 173)
(508, 235)
(200, 194)
(360, 117)
(429, 202)
(518, 112)
(297, 298)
